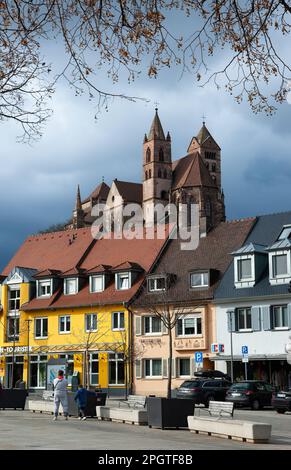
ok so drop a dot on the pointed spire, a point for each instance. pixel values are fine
(156, 131)
(168, 137)
(78, 205)
(203, 134)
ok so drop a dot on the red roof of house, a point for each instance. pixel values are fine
(56, 251)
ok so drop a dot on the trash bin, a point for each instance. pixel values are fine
(101, 398)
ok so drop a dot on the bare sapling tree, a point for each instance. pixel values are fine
(246, 39)
(165, 305)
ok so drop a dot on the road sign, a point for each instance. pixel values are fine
(245, 358)
(199, 357)
(244, 350)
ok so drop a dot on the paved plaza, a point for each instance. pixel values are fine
(27, 430)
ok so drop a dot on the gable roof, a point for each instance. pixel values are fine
(191, 171)
(250, 248)
(130, 192)
(265, 232)
(212, 253)
(100, 192)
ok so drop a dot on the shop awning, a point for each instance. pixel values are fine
(258, 357)
(81, 347)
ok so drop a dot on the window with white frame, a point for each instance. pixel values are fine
(286, 232)
(279, 265)
(94, 369)
(14, 300)
(122, 281)
(116, 369)
(71, 286)
(152, 325)
(41, 328)
(153, 368)
(184, 367)
(244, 269)
(91, 322)
(117, 320)
(65, 324)
(12, 328)
(244, 318)
(156, 284)
(189, 325)
(44, 288)
(199, 279)
(280, 316)
(97, 283)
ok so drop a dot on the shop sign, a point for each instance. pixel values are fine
(15, 350)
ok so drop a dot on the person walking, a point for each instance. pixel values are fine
(61, 395)
(81, 399)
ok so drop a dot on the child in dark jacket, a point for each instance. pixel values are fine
(81, 399)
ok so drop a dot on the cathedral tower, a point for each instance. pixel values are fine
(157, 168)
(78, 213)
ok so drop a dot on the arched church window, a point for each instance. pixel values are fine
(159, 173)
(146, 175)
(165, 174)
(161, 155)
(148, 155)
(164, 194)
(213, 167)
(150, 173)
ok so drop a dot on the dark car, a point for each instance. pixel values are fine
(281, 401)
(250, 393)
(203, 390)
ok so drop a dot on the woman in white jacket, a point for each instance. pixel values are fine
(61, 394)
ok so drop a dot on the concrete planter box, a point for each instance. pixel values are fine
(247, 431)
(42, 406)
(169, 412)
(130, 416)
(13, 398)
(90, 408)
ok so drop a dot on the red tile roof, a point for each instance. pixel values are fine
(100, 192)
(55, 250)
(130, 192)
(191, 171)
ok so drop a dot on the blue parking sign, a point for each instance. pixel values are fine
(199, 357)
(244, 350)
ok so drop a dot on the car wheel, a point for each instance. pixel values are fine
(280, 411)
(256, 405)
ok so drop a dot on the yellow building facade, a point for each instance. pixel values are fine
(91, 343)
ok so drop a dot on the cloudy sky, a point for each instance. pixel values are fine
(38, 183)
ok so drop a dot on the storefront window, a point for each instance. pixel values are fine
(116, 369)
(13, 370)
(69, 366)
(38, 366)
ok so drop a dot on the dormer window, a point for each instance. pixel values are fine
(244, 270)
(44, 288)
(70, 286)
(279, 263)
(286, 232)
(123, 281)
(97, 283)
(157, 283)
(199, 279)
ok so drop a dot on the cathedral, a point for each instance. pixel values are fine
(194, 178)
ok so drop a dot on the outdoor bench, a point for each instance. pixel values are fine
(214, 425)
(219, 408)
(134, 401)
(138, 416)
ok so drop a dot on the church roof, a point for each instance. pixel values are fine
(191, 171)
(156, 130)
(130, 192)
(203, 134)
(101, 192)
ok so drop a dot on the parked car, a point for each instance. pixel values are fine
(250, 393)
(281, 401)
(213, 374)
(203, 390)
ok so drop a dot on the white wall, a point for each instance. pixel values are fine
(262, 342)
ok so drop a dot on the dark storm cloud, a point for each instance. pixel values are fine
(38, 184)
